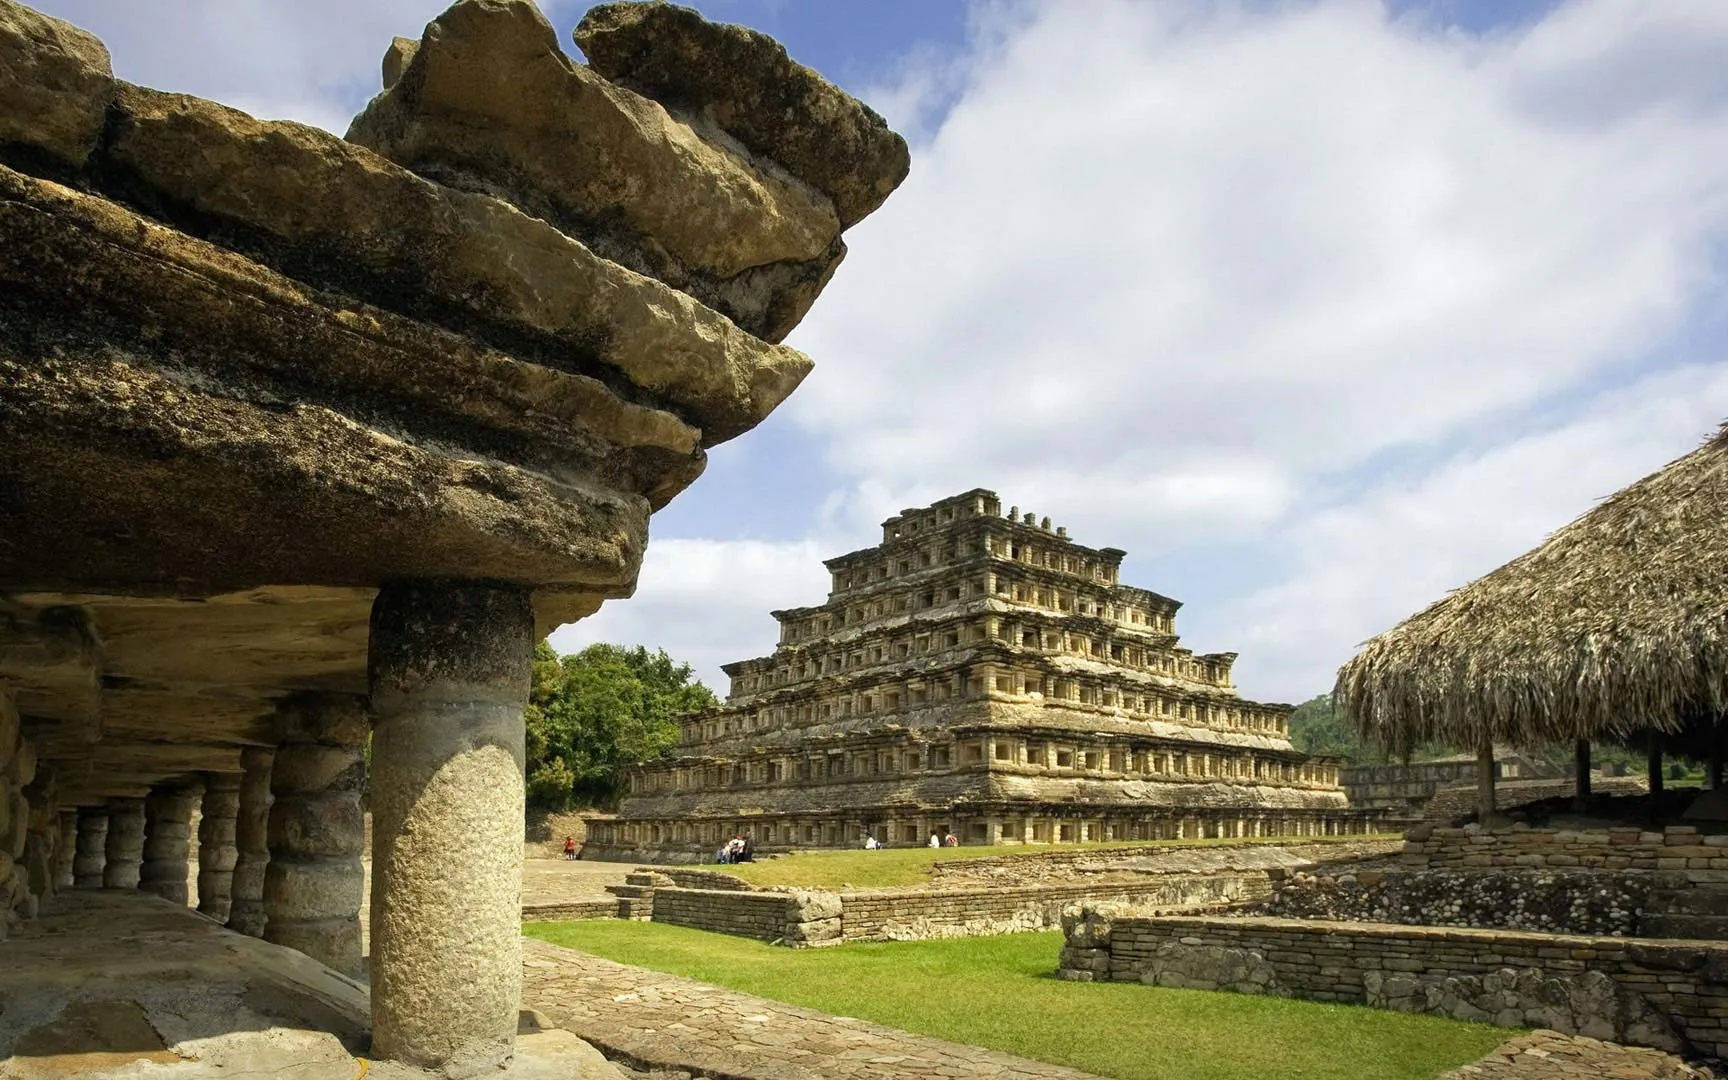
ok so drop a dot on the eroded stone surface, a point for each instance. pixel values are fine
(489, 103)
(1549, 1055)
(55, 82)
(449, 680)
(745, 83)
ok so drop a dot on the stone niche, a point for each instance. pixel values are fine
(306, 438)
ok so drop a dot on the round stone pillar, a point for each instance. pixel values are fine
(124, 852)
(251, 842)
(314, 884)
(216, 851)
(449, 670)
(167, 841)
(92, 846)
(66, 852)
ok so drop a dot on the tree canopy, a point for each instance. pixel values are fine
(592, 713)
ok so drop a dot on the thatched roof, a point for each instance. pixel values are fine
(1615, 628)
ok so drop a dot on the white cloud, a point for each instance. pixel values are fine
(1170, 265)
(315, 61)
(1363, 566)
(706, 602)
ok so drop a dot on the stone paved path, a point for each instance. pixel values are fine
(1548, 1055)
(664, 1022)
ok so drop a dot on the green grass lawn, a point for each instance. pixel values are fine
(911, 865)
(999, 992)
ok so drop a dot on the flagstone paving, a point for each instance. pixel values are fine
(666, 1023)
(1548, 1055)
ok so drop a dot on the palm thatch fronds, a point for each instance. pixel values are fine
(1614, 629)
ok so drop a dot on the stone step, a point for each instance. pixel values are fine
(632, 891)
(1701, 927)
(649, 880)
(1690, 901)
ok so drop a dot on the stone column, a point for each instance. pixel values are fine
(167, 841)
(251, 842)
(124, 853)
(449, 674)
(65, 853)
(314, 885)
(92, 843)
(216, 851)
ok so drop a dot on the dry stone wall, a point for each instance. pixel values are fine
(913, 914)
(1681, 848)
(572, 910)
(1600, 902)
(1667, 995)
(811, 917)
(798, 918)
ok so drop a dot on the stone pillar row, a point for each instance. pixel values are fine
(313, 884)
(279, 846)
(167, 840)
(251, 842)
(216, 851)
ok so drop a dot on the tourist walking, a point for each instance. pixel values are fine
(570, 848)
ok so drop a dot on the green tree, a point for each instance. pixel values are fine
(593, 713)
(1316, 728)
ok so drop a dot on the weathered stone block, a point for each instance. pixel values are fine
(55, 85)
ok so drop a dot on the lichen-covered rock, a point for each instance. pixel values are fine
(745, 83)
(488, 102)
(55, 84)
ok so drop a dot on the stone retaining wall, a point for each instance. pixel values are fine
(575, 909)
(701, 879)
(809, 917)
(1704, 859)
(916, 914)
(797, 918)
(1665, 994)
(1600, 902)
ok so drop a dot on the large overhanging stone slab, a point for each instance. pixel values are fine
(334, 214)
(488, 102)
(744, 83)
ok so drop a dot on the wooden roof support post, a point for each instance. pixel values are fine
(1581, 785)
(1655, 766)
(1485, 811)
(1716, 754)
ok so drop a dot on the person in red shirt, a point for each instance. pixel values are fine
(570, 847)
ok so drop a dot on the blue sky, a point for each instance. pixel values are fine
(1318, 308)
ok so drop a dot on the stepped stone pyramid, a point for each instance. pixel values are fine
(982, 675)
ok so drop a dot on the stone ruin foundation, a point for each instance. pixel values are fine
(305, 440)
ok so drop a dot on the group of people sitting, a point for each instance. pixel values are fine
(736, 850)
(950, 840)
